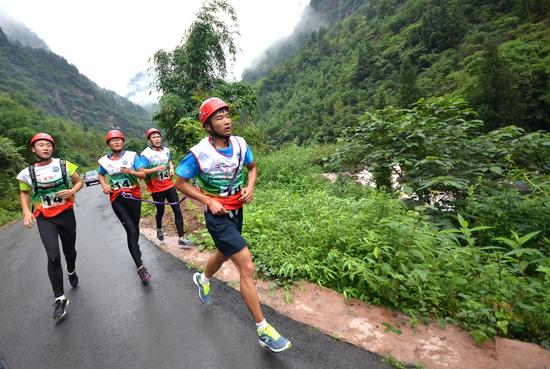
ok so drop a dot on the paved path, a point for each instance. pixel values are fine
(116, 322)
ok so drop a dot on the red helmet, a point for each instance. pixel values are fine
(42, 136)
(150, 131)
(209, 106)
(114, 133)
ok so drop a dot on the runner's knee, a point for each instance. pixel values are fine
(247, 269)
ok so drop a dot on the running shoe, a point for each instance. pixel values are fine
(60, 308)
(184, 243)
(73, 278)
(160, 234)
(143, 274)
(270, 338)
(204, 289)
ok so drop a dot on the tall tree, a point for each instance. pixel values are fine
(195, 70)
(408, 90)
(496, 100)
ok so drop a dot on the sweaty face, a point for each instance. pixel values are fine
(220, 123)
(155, 139)
(43, 149)
(116, 144)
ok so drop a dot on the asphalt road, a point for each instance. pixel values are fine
(116, 322)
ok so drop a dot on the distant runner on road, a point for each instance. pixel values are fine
(118, 175)
(159, 168)
(217, 162)
(50, 185)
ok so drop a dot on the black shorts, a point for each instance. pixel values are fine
(226, 231)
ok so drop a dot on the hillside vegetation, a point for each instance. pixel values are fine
(20, 121)
(50, 83)
(374, 53)
(451, 100)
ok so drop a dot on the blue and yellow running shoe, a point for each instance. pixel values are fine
(270, 338)
(204, 289)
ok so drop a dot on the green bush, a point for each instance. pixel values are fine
(370, 246)
(11, 162)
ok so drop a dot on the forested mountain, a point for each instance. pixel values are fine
(49, 82)
(317, 15)
(373, 53)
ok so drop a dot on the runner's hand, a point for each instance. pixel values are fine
(64, 194)
(161, 168)
(125, 170)
(107, 189)
(247, 194)
(28, 219)
(216, 208)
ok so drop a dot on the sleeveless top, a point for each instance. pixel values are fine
(158, 181)
(121, 182)
(49, 181)
(217, 170)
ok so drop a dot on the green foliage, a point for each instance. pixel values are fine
(134, 144)
(393, 52)
(18, 123)
(495, 97)
(427, 146)
(441, 137)
(500, 178)
(390, 360)
(193, 71)
(11, 162)
(369, 246)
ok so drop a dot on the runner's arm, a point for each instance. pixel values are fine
(247, 193)
(158, 168)
(28, 217)
(189, 190)
(104, 185)
(134, 170)
(131, 171)
(171, 166)
(77, 186)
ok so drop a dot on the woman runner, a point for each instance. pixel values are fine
(118, 175)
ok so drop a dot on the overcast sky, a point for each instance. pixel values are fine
(110, 41)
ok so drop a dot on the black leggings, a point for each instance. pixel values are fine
(51, 229)
(128, 212)
(172, 196)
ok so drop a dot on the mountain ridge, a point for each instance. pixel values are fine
(377, 53)
(54, 85)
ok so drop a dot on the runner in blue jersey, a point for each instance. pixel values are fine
(217, 164)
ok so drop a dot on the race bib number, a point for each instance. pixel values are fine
(164, 175)
(117, 185)
(51, 200)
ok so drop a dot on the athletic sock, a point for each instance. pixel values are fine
(261, 325)
(204, 280)
(62, 297)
